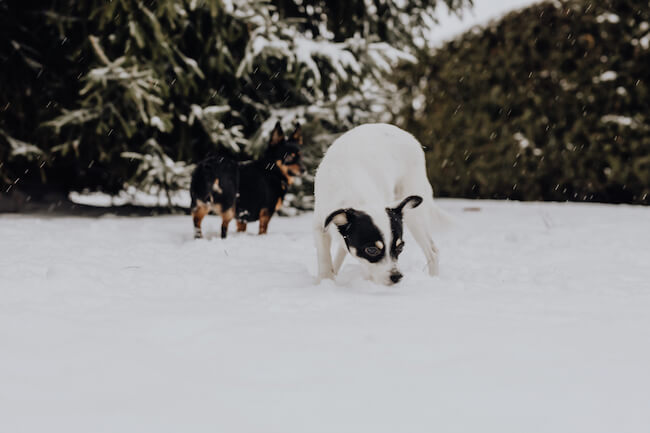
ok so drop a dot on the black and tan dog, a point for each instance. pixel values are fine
(249, 190)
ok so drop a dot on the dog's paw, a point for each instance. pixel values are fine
(325, 276)
(433, 270)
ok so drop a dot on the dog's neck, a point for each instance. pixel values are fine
(277, 171)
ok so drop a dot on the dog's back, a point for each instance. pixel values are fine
(260, 191)
(215, 180)
(371, 180)
(373, 160)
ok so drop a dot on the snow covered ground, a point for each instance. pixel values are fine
(539, 322)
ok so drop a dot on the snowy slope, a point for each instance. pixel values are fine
(539, 322)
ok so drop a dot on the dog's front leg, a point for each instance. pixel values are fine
(340, 257)
(323, 242)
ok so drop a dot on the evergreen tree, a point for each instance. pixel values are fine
(102, 89)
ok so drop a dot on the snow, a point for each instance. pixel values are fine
(337, 55)
(645, 41)
(158, 123)
(451, 25)
(521, 139)
(19, 147)
(621, 120)
(606, 76)
(539, 323)
(609, 17)
(130, 196)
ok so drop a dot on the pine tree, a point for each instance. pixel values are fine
(193, 77)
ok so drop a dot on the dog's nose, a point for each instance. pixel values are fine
(395, 277)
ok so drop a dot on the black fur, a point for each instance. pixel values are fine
(360, 233)
(396, 227)
(261, 187)
(396, 223)
(254, 188)
(262, 182)
(206, 172)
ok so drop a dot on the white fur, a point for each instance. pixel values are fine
(369, 168)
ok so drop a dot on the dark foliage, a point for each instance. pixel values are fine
(97, 94)
(550, 103)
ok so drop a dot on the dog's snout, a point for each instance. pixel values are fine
(395, 277)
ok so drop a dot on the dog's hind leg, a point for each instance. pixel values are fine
(419, 224)
(241, 226)
(199, 211)
(226, 217)
(323, 242)
(340, 257)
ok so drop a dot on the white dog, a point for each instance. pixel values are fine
(370, 179)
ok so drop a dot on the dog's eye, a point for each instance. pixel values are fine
(372, 251)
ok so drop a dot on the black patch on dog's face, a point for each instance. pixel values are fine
(397, 230)
(395, 215)
(360, 233)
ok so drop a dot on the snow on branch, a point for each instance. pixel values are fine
(157, 171)
(21, 148)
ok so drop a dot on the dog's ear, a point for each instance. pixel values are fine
(277, 136)
(409, 202)
(297, 134)
(340, 218)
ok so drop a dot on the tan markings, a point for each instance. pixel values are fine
(200, 210)
(398, 243)
(277, 136)
(216, 187)
(226, 217)
(265, 217)
(285, 171)
(297, 134)
(215, 208)
(588, 39)
(278, 205)
(241, 226)
(295, 168)
(340, 219)
(379, 245)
